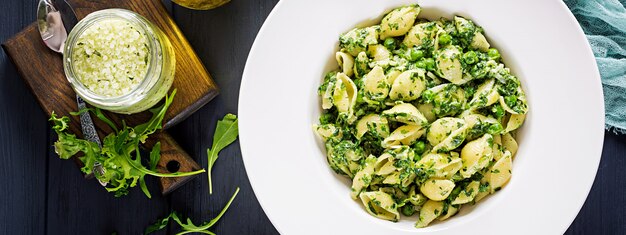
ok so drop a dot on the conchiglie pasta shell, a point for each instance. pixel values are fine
(344, 95)
(419, 32)
(449, 65)
(476, 155)
(500, 173)
(485, 95)
(433, 160)
(371, 37)
(429, 212)
(443, 165)
(515, 121)
(449, 169)
(398, 21)
(452, 210)
(509, 143)
(437, 189)
(327, 131)
(380, 125)
(380, 205)
(346, 62)
(408, 86)
(452, 141)
(497, 144)
(327, 96)
(440, 129)
(361, 65)
(375, 84)
(404, 135)
(363, 178)
(468, 193)
(480, 42)
(378, 52)
(506, 107)
(385, 165)
(427, 111)
(393, 178)
(406, 113)
(392, 75)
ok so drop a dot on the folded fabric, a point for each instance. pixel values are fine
(604, 24)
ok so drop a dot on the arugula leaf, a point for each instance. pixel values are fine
(225, 134)
(160, 224)
(120, 156)
(188, 226)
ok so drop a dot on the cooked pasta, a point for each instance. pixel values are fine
(421, 115)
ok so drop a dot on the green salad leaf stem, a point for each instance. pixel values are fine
(225, 134)
(120, 154)
(188, 226)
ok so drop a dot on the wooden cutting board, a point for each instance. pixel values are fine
(42, 70)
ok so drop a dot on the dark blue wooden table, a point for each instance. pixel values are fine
(42, 194)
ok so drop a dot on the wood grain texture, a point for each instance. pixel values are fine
(78, 206)
(42, 69)
(222, 39)
(605, 207)
(23, 139)
(171, 155)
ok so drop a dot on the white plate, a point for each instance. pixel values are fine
(560, 144)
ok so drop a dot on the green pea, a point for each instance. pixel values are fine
(408, 209)
(493, 54)
(390, 43)
(419, 147)
(511, 100)
(444, 39)
(470, 57)
(416, 54)
(430, 64)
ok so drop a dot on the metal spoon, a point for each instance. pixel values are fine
(55, 18)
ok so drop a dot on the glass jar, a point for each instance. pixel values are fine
(159, 72)
(201, 4)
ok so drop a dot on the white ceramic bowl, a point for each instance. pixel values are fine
(560, 143)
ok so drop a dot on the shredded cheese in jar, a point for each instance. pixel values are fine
(111, 57)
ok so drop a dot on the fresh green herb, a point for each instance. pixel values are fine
(119, 154)
(225, 134)
(189, 226)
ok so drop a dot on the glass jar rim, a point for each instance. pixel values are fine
(114, 13)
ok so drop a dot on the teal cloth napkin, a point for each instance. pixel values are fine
(604, 24)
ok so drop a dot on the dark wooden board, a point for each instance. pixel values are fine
(42, 70)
